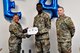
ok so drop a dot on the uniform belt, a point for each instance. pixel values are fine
(42, 39)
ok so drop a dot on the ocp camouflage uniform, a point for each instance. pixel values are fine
(65, 32)
(16, 36)
(43, 23)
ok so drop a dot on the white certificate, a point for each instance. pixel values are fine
(32, 31)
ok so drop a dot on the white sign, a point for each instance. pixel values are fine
(32, 31)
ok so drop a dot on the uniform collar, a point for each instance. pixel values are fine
(14, 22)
(40, 15)
(62, 16)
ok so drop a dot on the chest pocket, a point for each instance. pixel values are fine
(41, 20)
(18, 26)
(63, 26)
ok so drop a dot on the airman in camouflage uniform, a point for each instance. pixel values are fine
(43, 22)
(16, 35)
(65, 31)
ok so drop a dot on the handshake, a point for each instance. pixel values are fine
(25, 31)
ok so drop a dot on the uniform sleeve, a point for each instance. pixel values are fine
(16, 32)
(47, 22)
(70, 26)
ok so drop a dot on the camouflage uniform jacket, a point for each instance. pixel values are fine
(65, 28)
(16, 34)
(43, 22)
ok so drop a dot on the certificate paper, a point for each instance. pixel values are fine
(32, 31)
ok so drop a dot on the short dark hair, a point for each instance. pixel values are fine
(15, 14)
(39, 4)
(61, 7)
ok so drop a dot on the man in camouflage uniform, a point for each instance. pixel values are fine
(43, 22)
(16, 35)
(65, 31)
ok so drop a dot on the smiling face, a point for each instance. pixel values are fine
(16, 18)
(60, 11)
